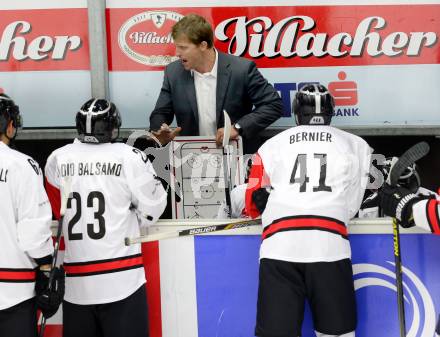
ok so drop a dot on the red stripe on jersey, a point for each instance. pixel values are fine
(306, 222)
(103, 266)
(433, 216)
(55, 198)
(17, 275)
(256, 178)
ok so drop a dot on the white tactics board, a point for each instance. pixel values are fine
(197, 175)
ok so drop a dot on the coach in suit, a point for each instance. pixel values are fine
(204, 82)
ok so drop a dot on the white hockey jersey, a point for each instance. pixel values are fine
(114, 186)
(24, 225)
(318, 175)
(237, 204)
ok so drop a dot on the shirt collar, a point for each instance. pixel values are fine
(213, 71)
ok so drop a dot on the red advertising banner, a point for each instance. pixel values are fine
(44, 39)
(284, 36)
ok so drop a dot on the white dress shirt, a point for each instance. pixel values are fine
(206, 88)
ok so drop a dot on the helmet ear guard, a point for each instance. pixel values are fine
(313, 105)
(98, 121)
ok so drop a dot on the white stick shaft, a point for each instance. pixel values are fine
(191, 223)
(152, 237)
(227, 129)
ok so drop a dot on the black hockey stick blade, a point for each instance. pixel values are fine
(408, 158)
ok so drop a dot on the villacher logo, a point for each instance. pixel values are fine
(145, 38)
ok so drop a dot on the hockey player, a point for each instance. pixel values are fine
(318, 176)
(411, 209)
(114, 187)
(26, 243)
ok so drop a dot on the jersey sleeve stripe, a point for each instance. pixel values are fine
(54, 197)
(255, 182)
(306, 222)
(17, 275)
(433, 215)
(103, 266)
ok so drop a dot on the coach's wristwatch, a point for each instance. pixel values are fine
(238, 128)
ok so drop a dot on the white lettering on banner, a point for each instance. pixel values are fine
(150, 37)
(128, 40)
(282, 38)
(39, 48)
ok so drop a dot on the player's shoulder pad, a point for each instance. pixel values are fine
(272, 142)
(131, 153)
(58, 152)
(63, 149)
(28, 163)
(353, 140)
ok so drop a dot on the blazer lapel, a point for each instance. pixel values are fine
(191, 94)
(223, 76)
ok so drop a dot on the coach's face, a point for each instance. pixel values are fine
(190, 54)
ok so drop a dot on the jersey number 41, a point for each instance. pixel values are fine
(301, 164)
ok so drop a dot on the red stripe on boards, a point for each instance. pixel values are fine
(433, 216)
(150, 253)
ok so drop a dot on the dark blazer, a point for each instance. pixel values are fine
(241, 90)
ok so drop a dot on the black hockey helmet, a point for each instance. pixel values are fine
(98, 121)
(9, 111)
(313, 105)
(409, 178)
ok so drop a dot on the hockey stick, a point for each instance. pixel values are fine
(408, 158)
(65, 194)
(226, 175)
(193, 231)
(437, 329)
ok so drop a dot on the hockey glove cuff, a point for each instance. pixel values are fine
(397, 202)
(48, 300)
(44, 260)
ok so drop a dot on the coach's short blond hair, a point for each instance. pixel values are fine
(195, 28)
